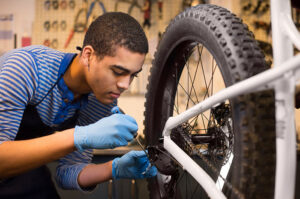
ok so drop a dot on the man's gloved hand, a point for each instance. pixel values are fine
(133, 165)
(109, 132)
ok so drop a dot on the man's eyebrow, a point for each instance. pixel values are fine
(121, 68)
(125, 69)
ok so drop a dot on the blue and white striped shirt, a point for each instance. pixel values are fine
(26, 76)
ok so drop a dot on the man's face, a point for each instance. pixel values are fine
(111, 76)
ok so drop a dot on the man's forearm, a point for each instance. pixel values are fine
(20, 156)
(94, 174)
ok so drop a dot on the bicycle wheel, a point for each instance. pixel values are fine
(204, 49)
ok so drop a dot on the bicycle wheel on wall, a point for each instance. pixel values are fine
(204, 49)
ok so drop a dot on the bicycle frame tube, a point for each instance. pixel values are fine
(284, 35)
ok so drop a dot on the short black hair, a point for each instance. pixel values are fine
(114, 29)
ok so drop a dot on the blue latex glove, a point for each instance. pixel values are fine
(133, 165)
(109, 132)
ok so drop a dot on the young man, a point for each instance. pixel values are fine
(43, 91)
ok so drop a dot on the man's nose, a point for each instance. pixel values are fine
(124, 82)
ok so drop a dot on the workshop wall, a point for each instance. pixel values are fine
(21, 22)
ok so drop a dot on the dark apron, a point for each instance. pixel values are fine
(36, 183)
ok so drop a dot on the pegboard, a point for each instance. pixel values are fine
(55, 19)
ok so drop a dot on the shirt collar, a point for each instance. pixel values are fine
(67, 94)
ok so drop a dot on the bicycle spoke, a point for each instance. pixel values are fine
(197, 72)
(186, 93)
(203, 73)
(210, 81)
(192, 82)
(188, 71)
(212, 77)
(188, 83)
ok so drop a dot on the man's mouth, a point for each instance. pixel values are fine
(115, 95)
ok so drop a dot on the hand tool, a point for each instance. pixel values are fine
(132, 3)
(89, 16)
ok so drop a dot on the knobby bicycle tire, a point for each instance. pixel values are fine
(251, 121)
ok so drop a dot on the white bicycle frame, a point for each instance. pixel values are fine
(282, 78)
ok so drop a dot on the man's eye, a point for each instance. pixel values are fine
(117, 73)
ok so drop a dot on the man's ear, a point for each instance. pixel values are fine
(87, 51)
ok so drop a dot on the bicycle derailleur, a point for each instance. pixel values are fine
(168, 170)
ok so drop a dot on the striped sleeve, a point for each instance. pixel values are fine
(69, 168)
(17, 85)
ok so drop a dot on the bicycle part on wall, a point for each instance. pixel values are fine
(259, 7)
(132, 3)
(268, 51)
(47, 26)
(160, 8)
(190, 3)
(63, 4)
(205, 49)
(63, 25)
(262, 25)
(47, 5)
(72, 4)
(147, 13)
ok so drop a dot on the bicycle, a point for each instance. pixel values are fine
(232, 123)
